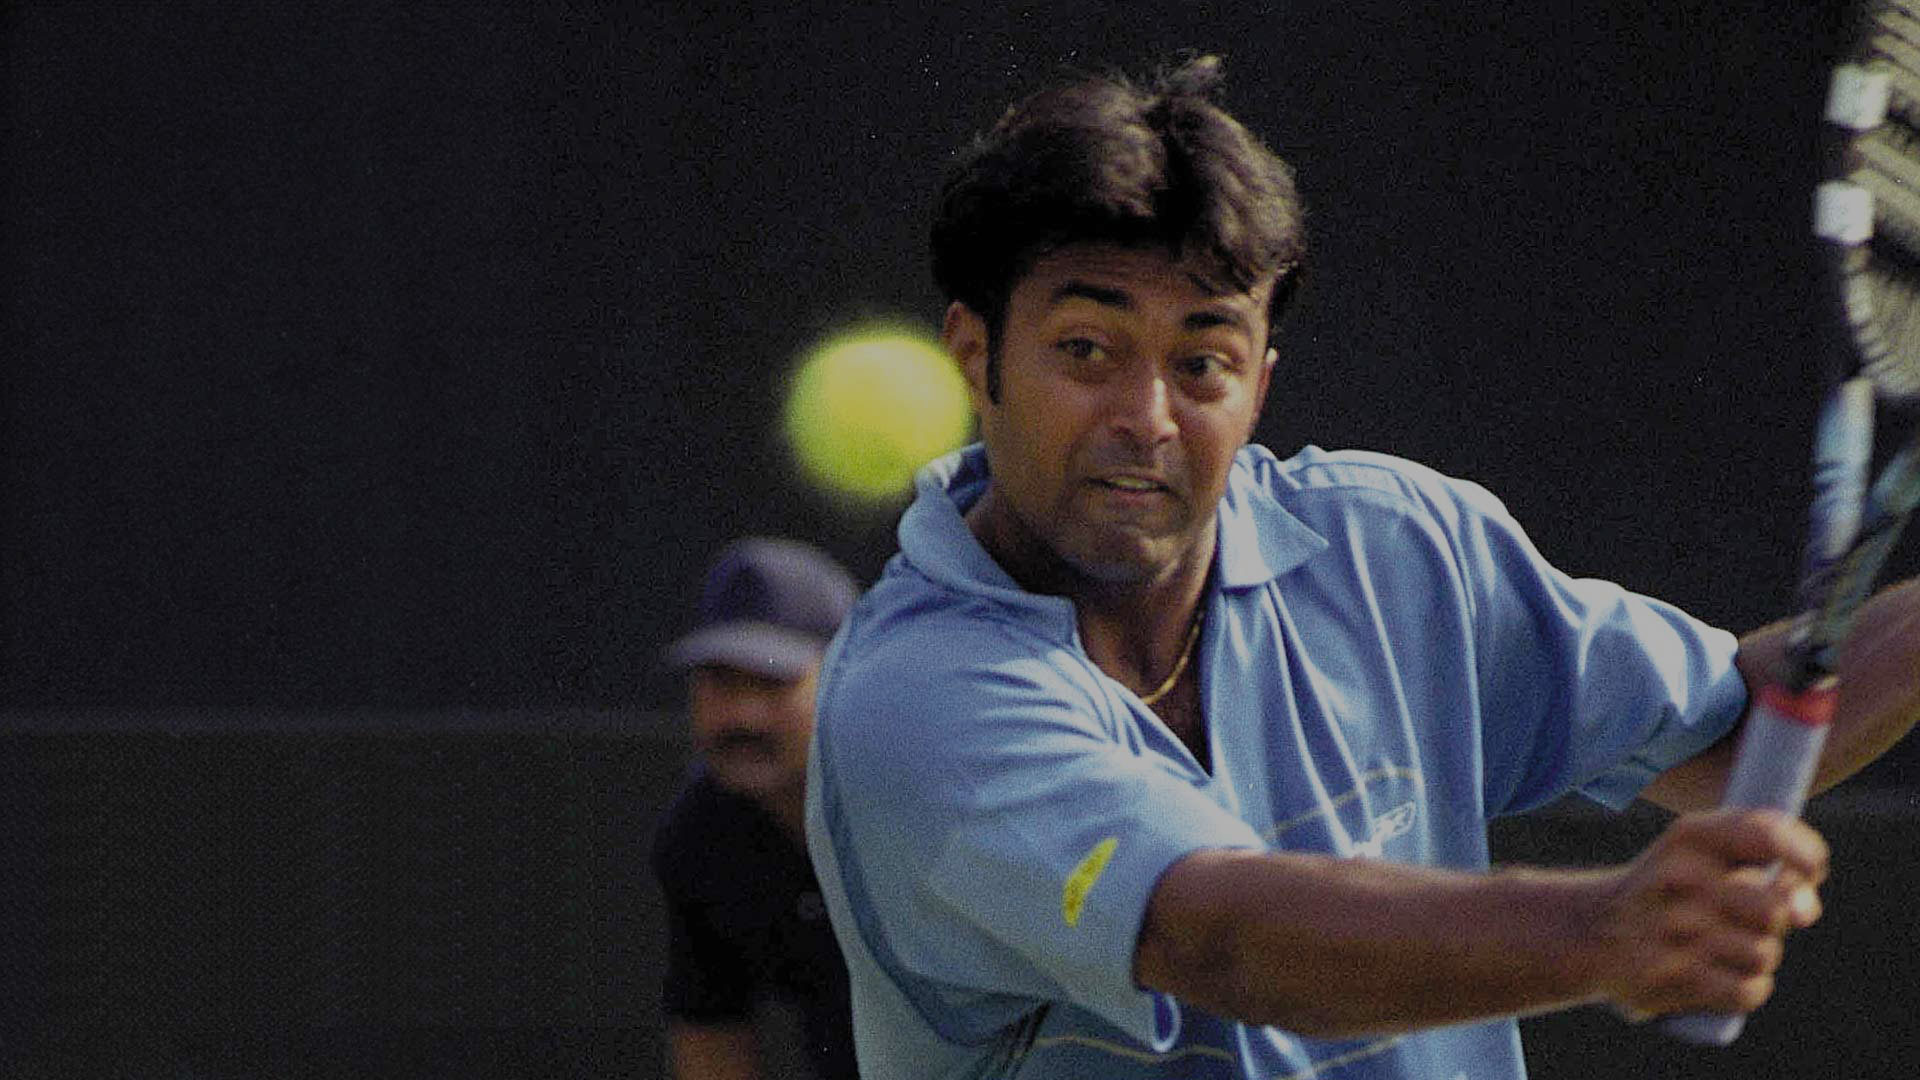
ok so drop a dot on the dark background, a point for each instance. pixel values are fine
(359, 357)
(377, 382)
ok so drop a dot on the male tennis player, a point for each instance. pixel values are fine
(1153, 755)
(744, 916)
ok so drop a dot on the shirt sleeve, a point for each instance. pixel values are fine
(1583, 685)
(998, 833)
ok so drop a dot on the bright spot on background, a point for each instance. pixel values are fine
(867, 408)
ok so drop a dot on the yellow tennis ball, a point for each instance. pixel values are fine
(866, 411)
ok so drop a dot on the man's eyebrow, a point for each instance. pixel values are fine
(1206, 320)
(1231, 317)
(1099, 294)
(1108, 296)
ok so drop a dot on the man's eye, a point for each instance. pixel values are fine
(1082, 349)
(1203, 365)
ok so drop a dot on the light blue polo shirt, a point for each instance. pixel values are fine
(1387, 663)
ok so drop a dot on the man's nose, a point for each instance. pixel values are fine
(735, 709)
(1142, 409)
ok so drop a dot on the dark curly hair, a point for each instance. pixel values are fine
(1103, 160)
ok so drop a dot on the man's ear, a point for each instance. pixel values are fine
(1267, 364)
(965, 334)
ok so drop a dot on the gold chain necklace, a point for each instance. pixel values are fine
(1179, 666)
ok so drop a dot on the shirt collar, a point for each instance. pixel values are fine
(935, 538)
(1258, 539)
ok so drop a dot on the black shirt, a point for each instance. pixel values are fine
(745, 920)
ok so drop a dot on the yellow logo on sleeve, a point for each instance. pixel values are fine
(1073, 899)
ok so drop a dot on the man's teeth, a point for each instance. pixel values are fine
(1129, 483)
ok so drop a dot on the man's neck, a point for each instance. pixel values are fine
(1139, 641)
(1134, 631)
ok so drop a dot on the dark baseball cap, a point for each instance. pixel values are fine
(768, 606)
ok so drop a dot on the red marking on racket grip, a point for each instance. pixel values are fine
(1812, 707)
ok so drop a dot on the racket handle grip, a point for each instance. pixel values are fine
(1772, 770)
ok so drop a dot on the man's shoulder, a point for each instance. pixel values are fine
(909, 620)
(917, 657)
(1314, 482)
(1312, 469)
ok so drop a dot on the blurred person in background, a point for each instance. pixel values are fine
(744, 913)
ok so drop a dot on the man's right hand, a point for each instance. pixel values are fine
(1698, 922)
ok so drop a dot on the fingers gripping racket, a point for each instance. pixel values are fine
(1867, 219)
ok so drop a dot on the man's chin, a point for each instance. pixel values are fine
(1124, 557)
(758, 778)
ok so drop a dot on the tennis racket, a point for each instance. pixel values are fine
(1867, 221)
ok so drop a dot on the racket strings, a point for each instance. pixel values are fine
(1887, 335)
(1882, 277)
(1894, 48)
(1872, 223)
(1886, 161)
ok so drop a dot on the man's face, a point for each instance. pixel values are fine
(751, 729)
(1127, 382)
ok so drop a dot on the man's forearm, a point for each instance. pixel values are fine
(1879, 699)
(1879, 684)
(1346, 947)
(1368, 946)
